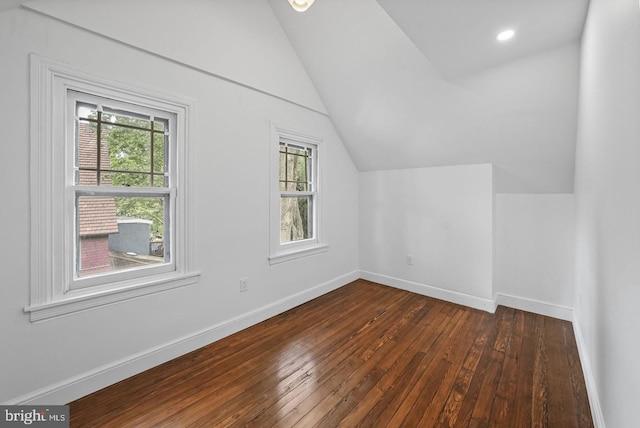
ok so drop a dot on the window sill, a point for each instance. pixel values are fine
(285, 256)
(75, 302)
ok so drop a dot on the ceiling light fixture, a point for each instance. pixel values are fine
(301, 5)
(505, 35)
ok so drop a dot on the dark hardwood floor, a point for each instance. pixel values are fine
(364, 355)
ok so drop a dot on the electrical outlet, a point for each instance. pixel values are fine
(409, 259)
(244, 284)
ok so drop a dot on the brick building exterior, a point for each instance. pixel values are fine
(96, 215)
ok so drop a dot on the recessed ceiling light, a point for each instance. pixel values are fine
(505, 35)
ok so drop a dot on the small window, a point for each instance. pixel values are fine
(108, 162)
(297, 192)
(296, 214)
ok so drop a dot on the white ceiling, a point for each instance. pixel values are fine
(458, 36)
(414, 83)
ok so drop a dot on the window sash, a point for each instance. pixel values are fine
(157, 127)
(307, 218)
(308, 157)
(75, 282)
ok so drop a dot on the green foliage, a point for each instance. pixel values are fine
(130, 153)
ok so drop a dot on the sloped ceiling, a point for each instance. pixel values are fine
(238, 41)
(457, 35)
(415, 83)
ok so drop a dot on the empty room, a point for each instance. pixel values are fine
(320, 213)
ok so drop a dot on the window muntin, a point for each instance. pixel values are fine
(122, 190)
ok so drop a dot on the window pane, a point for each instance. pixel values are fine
(86, 111)
(160, 180)
(117, 233)
(283, 169)
(129, 149)
(87, 178)
(159, 126)
(87, 152)
(295, 168)
(159, 152)
(296, 218)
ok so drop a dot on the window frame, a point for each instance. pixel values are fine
(53, 291)
(282, 252)
(78, 190)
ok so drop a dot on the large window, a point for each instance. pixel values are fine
(124, 189)
(295, 214)
(108, 163)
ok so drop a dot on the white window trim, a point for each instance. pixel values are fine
(293, 250)
(50, 295)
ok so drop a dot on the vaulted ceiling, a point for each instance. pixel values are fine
(415, 83)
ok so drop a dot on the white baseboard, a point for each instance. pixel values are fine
(589, 379)
(487, 305)
(536, 306)
(100, 377)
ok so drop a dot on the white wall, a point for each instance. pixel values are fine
(240, 41)
(535, 252)
(441, 216)
(608, 210)
(52, 361)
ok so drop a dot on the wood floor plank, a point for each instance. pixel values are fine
(479, 374)
(487, 393)
(524, 390)
(406, 391)
(540, 393)
(462, 382)
(347, 360)
(363, 355)
(504, 403)
(463, 339)
(162, 384)
(227, 410)
(403, 342)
